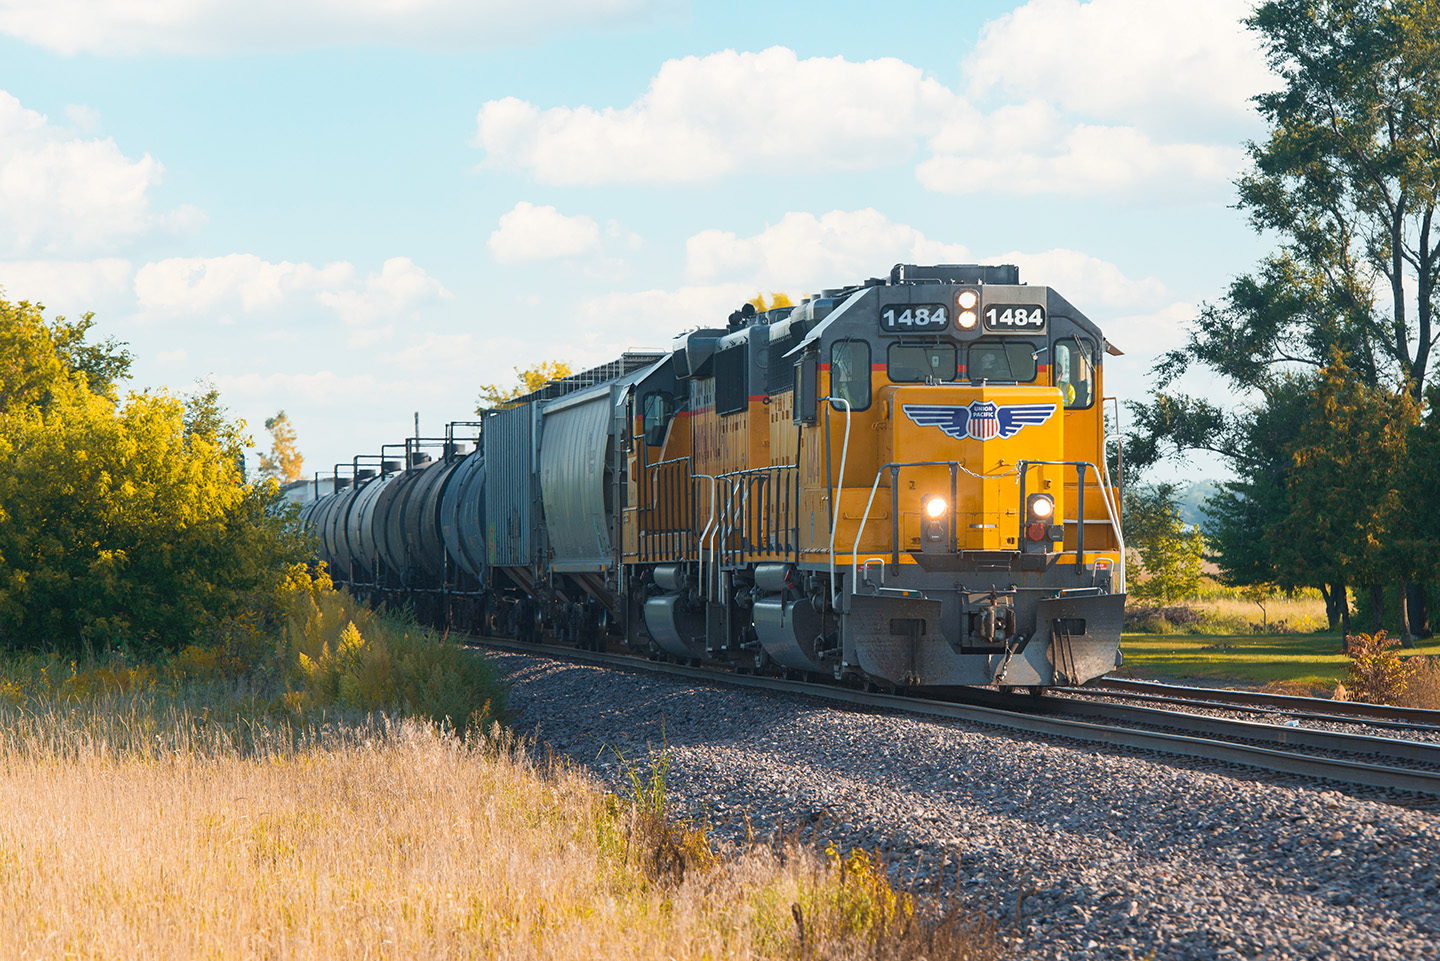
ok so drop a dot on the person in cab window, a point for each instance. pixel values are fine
(990, 367)
(1072, 374)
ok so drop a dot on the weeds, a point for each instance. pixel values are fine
(1377, 674)
(318, 650)
(841, 905)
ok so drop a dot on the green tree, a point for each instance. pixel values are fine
(1347, 182)
(1171, 551)
(122, 523)
(284, 463)
(1349, 510)
(527, 379)
(37, 356)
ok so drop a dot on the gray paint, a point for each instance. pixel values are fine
(574, 439)
(512, 502)
(462, 516)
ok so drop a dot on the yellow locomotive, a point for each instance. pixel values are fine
(901, 482)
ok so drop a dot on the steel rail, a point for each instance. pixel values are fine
(1287, 703)
(1260, 758)
(1427, 752)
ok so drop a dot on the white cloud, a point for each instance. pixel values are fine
(322, 387)
(1172, 64)
(396, 291)
(167, 357)
(649, 319)
(203, 284)
(1082, 160)
(1149, 334)
(706, 117)
(1086, 281)
(210, 285)
(528, 232)
(804, 252)
(703, 118)
(65, 285)
(219, 26)
(60, 193)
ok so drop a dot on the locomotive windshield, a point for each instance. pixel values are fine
(914, 365)
(1007, 361)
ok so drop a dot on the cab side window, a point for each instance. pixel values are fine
(850, 373)
(657, 409)
(1073, 370)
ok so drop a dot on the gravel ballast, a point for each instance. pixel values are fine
(1080, 850)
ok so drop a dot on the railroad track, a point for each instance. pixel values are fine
(1299, 708)
(1387, 763)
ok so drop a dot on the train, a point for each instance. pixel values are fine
(901, 483)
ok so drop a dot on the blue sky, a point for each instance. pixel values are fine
(355, 211)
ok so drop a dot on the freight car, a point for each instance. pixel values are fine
(901, 483)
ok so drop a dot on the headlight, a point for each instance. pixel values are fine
(1041, 507)
(935, 508)
(966, 319)
(967, 299)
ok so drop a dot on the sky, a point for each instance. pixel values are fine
(363, 210)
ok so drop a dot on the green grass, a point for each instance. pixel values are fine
(1247, 659)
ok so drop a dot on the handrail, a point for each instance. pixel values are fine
(753, 492)
(1106, 495)
(705, 534)
(896, 465)
(834, 507)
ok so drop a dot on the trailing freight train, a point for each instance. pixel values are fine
(901, 483)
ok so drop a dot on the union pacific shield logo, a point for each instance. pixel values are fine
(980, 419)
(984, 420)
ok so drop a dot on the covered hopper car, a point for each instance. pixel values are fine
(901, 482)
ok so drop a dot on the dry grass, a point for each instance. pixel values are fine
(1423, 686)
(133, 826)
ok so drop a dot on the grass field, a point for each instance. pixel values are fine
(1243, 659)
(136, 825)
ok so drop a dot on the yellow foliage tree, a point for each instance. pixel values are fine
(527, 379)
(778, 298)
(122, 523)
(284, 462)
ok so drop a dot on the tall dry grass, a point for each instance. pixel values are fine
(134, 826)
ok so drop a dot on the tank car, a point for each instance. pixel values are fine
(901, 482)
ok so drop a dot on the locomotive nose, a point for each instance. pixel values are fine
(962, 444)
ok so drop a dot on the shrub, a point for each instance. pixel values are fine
(1377, 674)
(339, 652)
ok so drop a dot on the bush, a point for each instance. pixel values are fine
(339, 652)
(1377, 674)
(1152, 619)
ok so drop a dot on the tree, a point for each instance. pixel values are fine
(38, 357)
(123, 524)
(1348, 513)
(778, 299)
(1347, 182)
(284, 462)
(1171, 551)
(1349, 179)
(528, 379)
